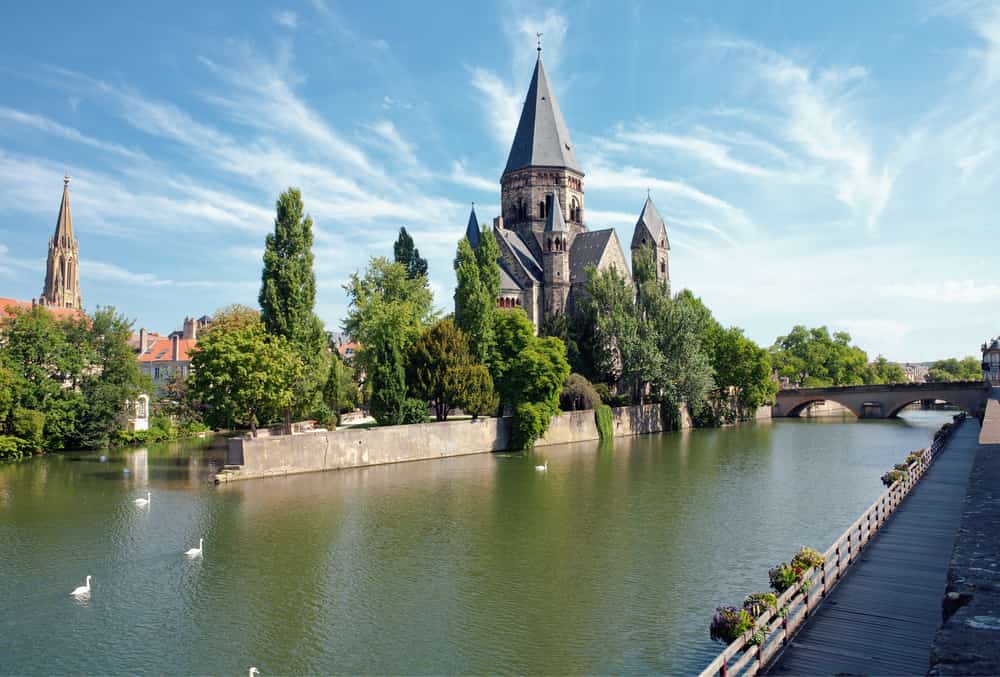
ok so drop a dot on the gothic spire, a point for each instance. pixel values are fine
(64, 224)
(62, 270)
(472, 230)
(542, 139)
(650, 227)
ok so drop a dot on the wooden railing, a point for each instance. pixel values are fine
(775, 627)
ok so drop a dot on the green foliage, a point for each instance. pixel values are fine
(531, 420)
(604, 420)
(578, 393)
(513, 333)
(813, 358)
(244, 375)
(807, 558)
(413, 411)
(471, 388)
(441, 349)
(893, 476)
(784, 576)
(966, 369)
(729, 623)
(409, 256)
(28, 425)
(340, 393)
(884, 371)
(388, 382)
(603, 392)
(758, 603)
(476, 293)
(12, 448)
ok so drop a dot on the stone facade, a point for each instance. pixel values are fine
(62, 270)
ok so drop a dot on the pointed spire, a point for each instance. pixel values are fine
(472, 231)
(542, 139)
(554, 223)
(64, 224)
(650, 228)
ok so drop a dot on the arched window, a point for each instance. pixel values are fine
(541, 209)
(574, 211)
(548, 246)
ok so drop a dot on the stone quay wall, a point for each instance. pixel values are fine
(249, 458)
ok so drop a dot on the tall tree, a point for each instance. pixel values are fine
(441, 350)
(478, 275)
(405, 253)
(951, 369)
(288, 296)
(814, 358)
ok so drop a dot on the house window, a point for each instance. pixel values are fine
(156, 373)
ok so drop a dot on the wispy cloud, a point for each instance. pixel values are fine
(461, 176)
(947, 291)
(286, 18)
(43, 124)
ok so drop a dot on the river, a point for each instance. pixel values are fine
(611, 562)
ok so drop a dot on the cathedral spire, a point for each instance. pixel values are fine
(64, 224)
(542, 139)
(62, 270)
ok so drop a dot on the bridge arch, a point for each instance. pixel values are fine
(883, 401)
(796, 409)
(953, 401)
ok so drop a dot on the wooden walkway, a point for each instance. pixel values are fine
(881, 617)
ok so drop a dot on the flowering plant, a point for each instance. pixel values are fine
(807, 558)
(784, 576)
(894, 476)
(729, 623)
(759, 602)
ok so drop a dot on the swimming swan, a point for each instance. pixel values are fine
(82, 590)
(544, 467)
(254, 671)
(144, 501)
(196, 552)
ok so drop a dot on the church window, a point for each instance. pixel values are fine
(549, 245)
(663, 266)
(541, 210)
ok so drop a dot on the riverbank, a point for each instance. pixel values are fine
(967, 642)
(254, 458)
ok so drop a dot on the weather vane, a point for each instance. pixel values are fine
(538, 36)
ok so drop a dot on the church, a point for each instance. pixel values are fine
(545, 245)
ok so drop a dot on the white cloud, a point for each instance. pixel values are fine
(44, 124)
(286, 18)
(500, 102)
(402, 148)
(889, 335)
(461, 176)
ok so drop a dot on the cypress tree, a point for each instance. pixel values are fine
(404, 252)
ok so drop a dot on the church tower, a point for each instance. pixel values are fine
(556, 242)
(650, 231)
(62, 272)
(542, 163)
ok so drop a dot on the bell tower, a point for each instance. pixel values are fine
(557, 239)
(62, 270)
(651, 231)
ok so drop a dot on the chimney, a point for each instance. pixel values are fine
(142, 341)
(175, 346)
(34, 303)
(498, 222)
(190, 328)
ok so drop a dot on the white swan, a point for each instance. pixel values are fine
(253, 671)
(144, 501)
(82, 590)
(544, 467)
(196, 552)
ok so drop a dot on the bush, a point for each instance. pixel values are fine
(620, 401)
(578, 394)
(531, 420)
(728, 624)
(603, 391)
(605, 422)
(807, 558)
(413, 411)
(758, 603)
(472, 389)
(784, 576)
(12, 448)
(914, 457)
(29, 426)
(894, 476)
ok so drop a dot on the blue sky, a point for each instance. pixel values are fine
(817, 163)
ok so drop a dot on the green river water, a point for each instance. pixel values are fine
(611, 562)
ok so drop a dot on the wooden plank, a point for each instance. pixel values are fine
(882, 614)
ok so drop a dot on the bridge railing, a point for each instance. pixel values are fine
(751, 652)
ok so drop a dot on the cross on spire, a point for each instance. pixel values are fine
(538, 36)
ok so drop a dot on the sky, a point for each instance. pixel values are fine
(821, 163)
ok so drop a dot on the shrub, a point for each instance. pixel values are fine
(784, 576)
(728, 624)
(413, 411)
(603, 391)
(901, 466)
(807, 558)
(620, 401)
(759, 602)
(12, 448)
(471, 389)
(578, 393)
(894, 476)
(605, 422)
(29, 425)
(531, 420)
(914, 457)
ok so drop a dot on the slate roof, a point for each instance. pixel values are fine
(650, 226)
(554, 223)
(523, 254)
(507, 280)
(472, 231)
(587, 250)
(542, 138)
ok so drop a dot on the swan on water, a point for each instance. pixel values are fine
(82, 590)
(144, 501)
(544, 467)
(196, 552)
(254, 671)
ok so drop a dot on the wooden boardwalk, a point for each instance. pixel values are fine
(881, 617)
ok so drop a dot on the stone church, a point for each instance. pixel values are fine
(545, 245)
(62, 270)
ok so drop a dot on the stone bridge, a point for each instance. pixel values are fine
(885, 401)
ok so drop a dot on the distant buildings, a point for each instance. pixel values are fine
(916, 373)
(991, 361)
(166, 358)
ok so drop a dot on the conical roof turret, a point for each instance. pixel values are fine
(650, 227)
(472, 230)
(64, 224)
(542, 139)
(554, 222)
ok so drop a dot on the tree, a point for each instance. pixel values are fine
(409, 256)
(471, 388)
(340, 392)
(537, 375)
(814, 358)
(477, 291)
(578, 393)
(441, 350)
(112, 379)
(687, 372)
(388, 382)
(951, 369)
(884, 371)
(244, 375)
(514, 333)
(743, 367)
(288, 296)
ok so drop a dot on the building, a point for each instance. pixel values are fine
(62, 270)
(545, 245)
(167, 358)
(9, 306)
(991, 361)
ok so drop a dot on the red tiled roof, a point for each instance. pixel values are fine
(163, 350)
(343, 347)
(60, 313)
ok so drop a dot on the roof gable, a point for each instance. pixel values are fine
(542, 139)
(650, 226)
(522, 254)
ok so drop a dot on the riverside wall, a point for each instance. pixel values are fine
(249, 458)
